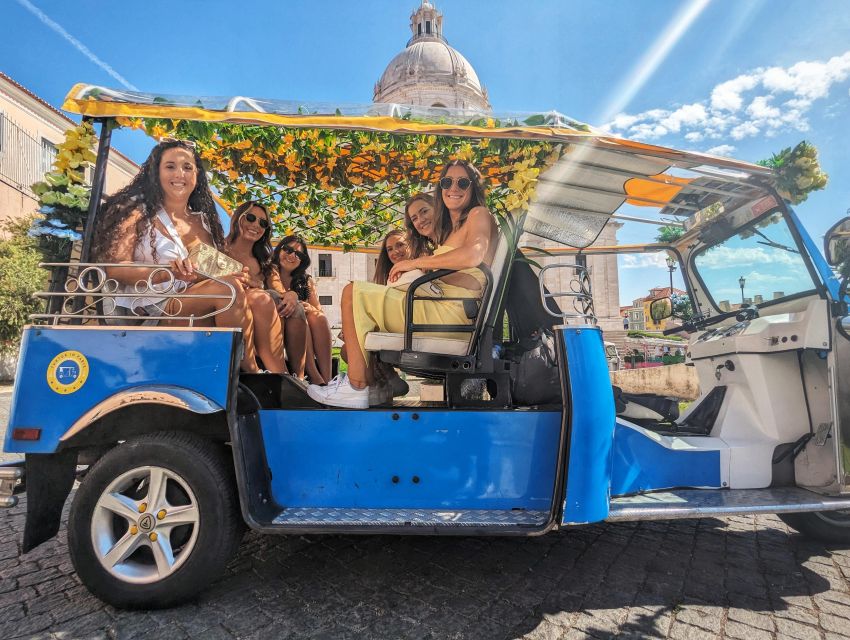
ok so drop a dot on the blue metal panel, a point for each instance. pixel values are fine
(592, 417)
(112, 360)
(641, 464)
(438, 459)
(824, 271)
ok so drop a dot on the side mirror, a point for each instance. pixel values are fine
(836, 243)
(660, 309)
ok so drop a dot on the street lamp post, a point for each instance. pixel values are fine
(742, 281)
(671, 267)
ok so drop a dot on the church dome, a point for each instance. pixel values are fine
(431, 59)
(429, 72)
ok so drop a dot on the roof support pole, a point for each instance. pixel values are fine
(98, 183)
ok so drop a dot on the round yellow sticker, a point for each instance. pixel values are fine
(67, 372)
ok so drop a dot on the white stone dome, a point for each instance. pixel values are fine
(429, 60)
(429, 72)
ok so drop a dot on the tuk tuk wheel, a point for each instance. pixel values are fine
(155, 521)
(827, 526)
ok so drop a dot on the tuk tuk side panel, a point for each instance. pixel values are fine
(591, 417)
(64, 373)
(402, 459)
(642, 463)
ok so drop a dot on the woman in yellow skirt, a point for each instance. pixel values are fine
(464, 233)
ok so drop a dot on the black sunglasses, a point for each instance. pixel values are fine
(289, 250)
(462, 183)
(250, 217)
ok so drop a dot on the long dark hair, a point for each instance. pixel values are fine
(262, 248)
(144, 194)
(443, 220)
(300, 282)
(384, 264)
(419, 245)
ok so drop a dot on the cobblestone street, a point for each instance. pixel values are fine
(747, 578)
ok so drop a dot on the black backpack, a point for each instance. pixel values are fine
(534, 372)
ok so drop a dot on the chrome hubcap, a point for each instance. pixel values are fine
(145, 525)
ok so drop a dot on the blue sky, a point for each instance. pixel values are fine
(743, 77)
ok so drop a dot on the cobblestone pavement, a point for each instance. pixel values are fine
(743, 578)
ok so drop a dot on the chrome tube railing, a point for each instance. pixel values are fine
(86, 291)
(579, 294)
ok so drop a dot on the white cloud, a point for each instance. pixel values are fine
(643, 260)
(721, 150)
(727, 95)
(762, 101)
(726, 257)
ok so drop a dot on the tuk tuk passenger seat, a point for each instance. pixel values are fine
(441, 357)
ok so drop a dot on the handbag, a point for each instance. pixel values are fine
(211, 262)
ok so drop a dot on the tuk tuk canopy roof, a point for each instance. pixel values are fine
(341, 175)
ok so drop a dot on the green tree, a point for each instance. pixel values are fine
(669, 234)
(20, 278)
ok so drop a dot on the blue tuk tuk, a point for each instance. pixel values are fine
(176, 452)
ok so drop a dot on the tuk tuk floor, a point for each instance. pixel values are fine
(735, 577)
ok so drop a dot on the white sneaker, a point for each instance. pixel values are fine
(339, 393)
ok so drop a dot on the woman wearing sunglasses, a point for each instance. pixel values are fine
(248, 242)
(465, 235)
(166, 207)
(300, 299)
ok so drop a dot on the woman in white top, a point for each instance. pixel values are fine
(167, 207)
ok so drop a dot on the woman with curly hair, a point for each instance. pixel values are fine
(166, 207)
(465, 235)
(248, 242)
(299, 297)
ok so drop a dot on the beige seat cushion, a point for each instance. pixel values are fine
(376, 341)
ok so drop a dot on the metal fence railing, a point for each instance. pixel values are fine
(23, 159)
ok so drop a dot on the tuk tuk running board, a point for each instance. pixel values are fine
(709, 503)
(331, 517)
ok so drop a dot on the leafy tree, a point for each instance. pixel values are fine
(669, 234)
(682, 307)
(20, 278)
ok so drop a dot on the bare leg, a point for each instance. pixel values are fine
(310, 363)
(357, 368)
(320, 332)
(295, 336)
(268, 336)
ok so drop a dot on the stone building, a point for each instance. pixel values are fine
(30, 131)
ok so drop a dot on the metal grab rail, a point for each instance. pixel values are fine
(580, 293)
(85, 292)
(412, 327)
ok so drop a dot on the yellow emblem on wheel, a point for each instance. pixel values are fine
(67, 372)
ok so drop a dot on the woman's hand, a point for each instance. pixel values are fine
(309, 308)
(288, 304)
(183, 269)
(402, 266)
(247, 280)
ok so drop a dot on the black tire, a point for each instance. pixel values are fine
(186, 461)
(826, 526)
